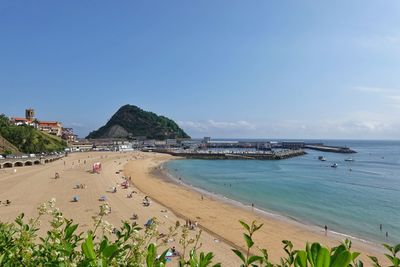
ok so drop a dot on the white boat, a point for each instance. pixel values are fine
(322, 158)
(349, 159)
(334, 165)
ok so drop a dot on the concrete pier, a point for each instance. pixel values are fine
(333, 149)
(271, 155)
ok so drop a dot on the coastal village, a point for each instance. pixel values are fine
(186, 147)
(51, 127)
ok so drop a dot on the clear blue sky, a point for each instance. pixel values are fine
(256, 69)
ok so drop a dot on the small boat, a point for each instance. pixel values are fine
(349, 159)
(334, 165)
(322, 158)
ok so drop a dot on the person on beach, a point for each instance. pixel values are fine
(380, 227)
(202, 198)
(326, 230)
(387, 234)
(252, 206)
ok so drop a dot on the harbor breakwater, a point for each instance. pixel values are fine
(272, 155)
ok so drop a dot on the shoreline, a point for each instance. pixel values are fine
(164, 174)
(219, 215)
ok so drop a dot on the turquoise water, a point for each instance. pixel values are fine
(350, 202)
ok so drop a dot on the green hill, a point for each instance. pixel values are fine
(7, 147)
(130, 121)
(28, 139)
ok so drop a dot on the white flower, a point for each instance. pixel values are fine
(42, 209)
(105, 209)
(106, 226)
(52, 202)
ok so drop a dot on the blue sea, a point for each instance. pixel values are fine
(353, 202)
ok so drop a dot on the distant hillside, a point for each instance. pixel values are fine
(29, 140)
(131, 121)
(6, 146)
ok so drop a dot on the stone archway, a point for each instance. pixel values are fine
(28, 163)
(36, 162)
(46, 161)
(18, 164)
(7, 165)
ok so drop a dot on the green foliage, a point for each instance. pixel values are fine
(314, 255)
(138, 122)
(8, 152)
(132, 245)
(28, 139)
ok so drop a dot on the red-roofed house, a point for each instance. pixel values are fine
(22, 121)
(51, 127)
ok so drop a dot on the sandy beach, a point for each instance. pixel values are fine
(28, 187)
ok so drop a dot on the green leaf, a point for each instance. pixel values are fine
(375, 260)
(313, 253)
(337, 251)
(151, 255)
(249, 241)
(388, 247)
(396, 248)
(245, 225)
(301, 259)
(258, 227)
(239, 254)
(103, 245)
(88, 248)
(70, 230)
(254, 258)
(323, 258)
(354, 255)
(162, 258)
(342, 260)
(265, 253)
(109, 251)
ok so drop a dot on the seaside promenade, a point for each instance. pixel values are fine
(30, 187)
